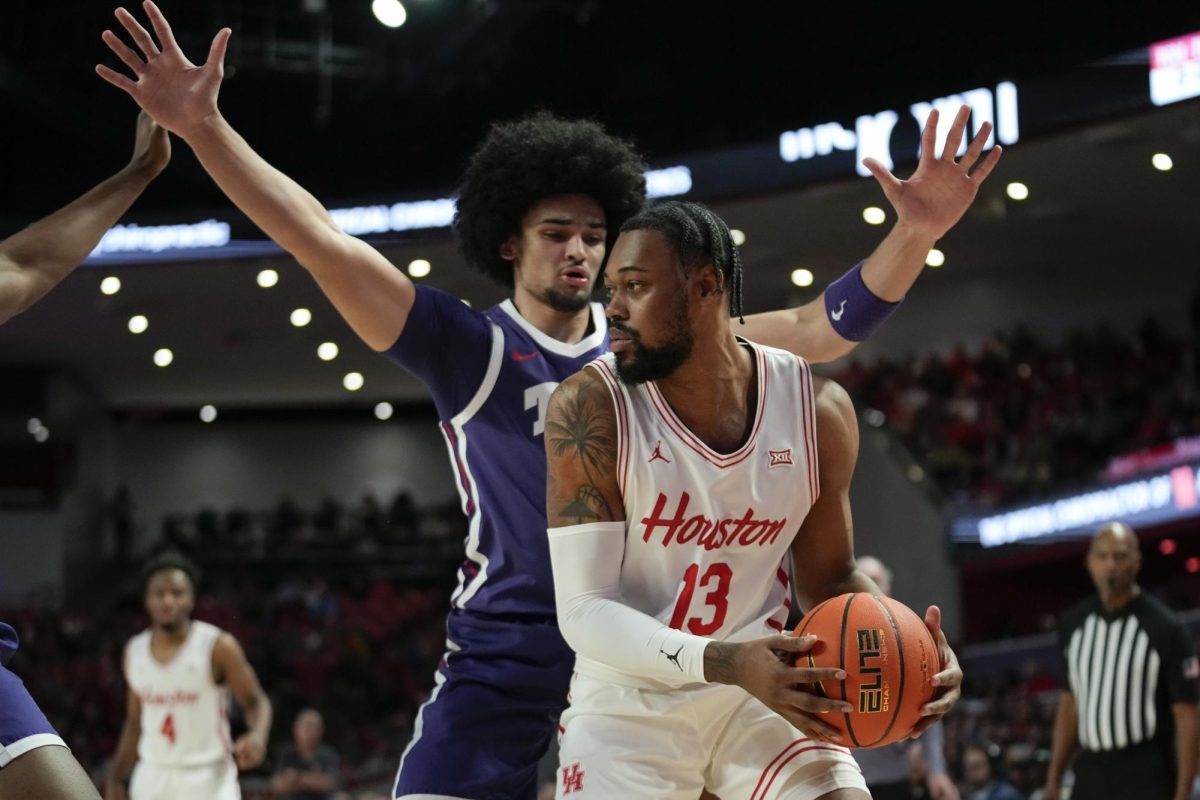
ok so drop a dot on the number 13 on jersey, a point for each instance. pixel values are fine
(716, 581)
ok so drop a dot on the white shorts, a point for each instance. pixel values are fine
(206, 782)
(617, 741)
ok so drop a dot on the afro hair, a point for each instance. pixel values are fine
(520, 163)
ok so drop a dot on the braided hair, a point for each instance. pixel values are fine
(698, 237)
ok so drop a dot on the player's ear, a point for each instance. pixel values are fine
(708, 280)
(508, 250)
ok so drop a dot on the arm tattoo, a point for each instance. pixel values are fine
(577, 432)
(719, 666)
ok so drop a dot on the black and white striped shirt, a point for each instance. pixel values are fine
(1125, 670)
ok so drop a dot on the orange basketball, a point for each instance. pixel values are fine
(889, 657)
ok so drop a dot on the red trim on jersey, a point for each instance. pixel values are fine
(623, 448)
(461, 468)
(783, 577)
(757, 794)
(721, 460)
(777, 626)
(808, 415)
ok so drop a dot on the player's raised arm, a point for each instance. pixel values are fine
(927, 205)
(34, 260)
(369, 291)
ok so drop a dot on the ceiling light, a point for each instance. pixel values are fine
(874, 215)
(1162, 162)
(268, 278)
(208, 413)
(301, 317)
(802, 277)
(1017, 190)
(327, 351)
(935, 258)
(419, 268)
(41, 434)
(353, 381)
(163, 357)
(389, 12)
(138, 323)
(739, 238)
(384, 411)
(110, 285)
(33, 426)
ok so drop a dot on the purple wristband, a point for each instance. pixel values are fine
(854, 311)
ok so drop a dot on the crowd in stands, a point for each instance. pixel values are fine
(1016, 418)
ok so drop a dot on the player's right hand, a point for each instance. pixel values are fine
(764, 669)
(178, 94)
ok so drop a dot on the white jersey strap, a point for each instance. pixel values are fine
(599, 625)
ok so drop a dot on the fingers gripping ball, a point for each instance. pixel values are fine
(889, 657)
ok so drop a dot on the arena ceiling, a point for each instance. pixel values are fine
(352, 109)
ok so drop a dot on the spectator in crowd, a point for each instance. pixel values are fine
(979, 774)
(308, 769)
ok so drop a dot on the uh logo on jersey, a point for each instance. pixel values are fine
(679, 528)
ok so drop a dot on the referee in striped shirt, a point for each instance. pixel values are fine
(1130, 700)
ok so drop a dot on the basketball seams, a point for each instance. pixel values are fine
(842, 661)
(897, 704)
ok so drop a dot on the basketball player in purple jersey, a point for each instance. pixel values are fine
(537, 208)
(34, 761)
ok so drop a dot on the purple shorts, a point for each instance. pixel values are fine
(23, 726)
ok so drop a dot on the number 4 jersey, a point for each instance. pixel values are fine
(184, 719)
(707, 533)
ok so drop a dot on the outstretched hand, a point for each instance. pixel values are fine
(178, 94)
(948, 679)
(941, 190)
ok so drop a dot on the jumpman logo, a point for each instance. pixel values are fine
(837, 315)
(674, 659)
(657, 454)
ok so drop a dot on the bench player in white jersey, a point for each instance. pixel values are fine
(180, 673)
(34, 760)
(684, 469)
(540, 203)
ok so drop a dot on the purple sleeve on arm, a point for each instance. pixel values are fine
(854, 311)
(446, 345)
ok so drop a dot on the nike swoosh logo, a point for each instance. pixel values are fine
(837, 315)
(524, 356)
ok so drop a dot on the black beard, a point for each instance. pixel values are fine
(655, 363)
(565, 303)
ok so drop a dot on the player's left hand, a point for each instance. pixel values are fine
(941, 190)
(949, 678)
(249, 751)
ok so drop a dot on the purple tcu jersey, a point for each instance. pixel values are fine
(491, 375)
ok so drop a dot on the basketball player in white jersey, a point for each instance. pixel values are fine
(180, 672)
(684, 468)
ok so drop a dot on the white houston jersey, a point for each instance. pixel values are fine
(707, 533)
(184, 717)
